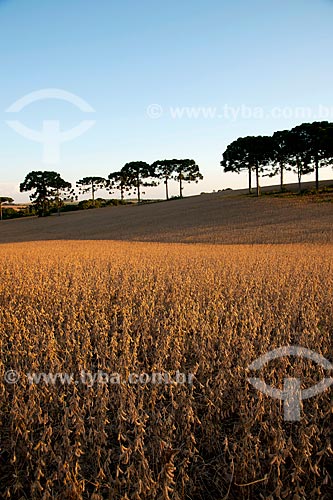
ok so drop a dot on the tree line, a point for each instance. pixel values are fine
(303, 149)
(48, 189)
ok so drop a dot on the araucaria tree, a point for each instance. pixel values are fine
(139, 174)
(303, 149)
(251, 153)
(259, 150)
(186, 171)
(119, 181)
(300, 157)
(315, 139)
(91, 184)
(48, 189)
(62, 192)
(164, 170)
(236, 159)
(281, 155)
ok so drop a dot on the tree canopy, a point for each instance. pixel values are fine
(186, 171)
(303, 149)
(139, 174)
(91, 184)
(119, 181)
(48, 188)
(164, 170)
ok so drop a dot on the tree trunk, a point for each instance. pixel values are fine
(58, 204)
(299, 175)
(166, 188)
(138, 189)
(44, 208)
(0, 210)
(250, 181)
(317, 173)
(180, 187)
(281, 176)
(93, 193)
(122, 193)
(257, 180)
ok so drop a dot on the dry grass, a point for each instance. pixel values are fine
(145, 307)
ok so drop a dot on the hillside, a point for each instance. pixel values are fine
(228, 217)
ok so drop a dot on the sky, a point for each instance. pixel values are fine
(156, 80)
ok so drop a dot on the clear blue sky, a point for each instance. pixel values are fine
(122, 56)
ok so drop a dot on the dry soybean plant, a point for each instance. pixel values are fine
(122, 308)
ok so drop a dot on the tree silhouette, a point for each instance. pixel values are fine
(62, 192)
(281, 155)
(251, 153)
(260, 154)
(300, 155)
(236, 159)
(119, 181)
(314, 140)
(139, 174)
(47, 187)
(303, 149)
(186, 171)
(164, 170)
(91, 184)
